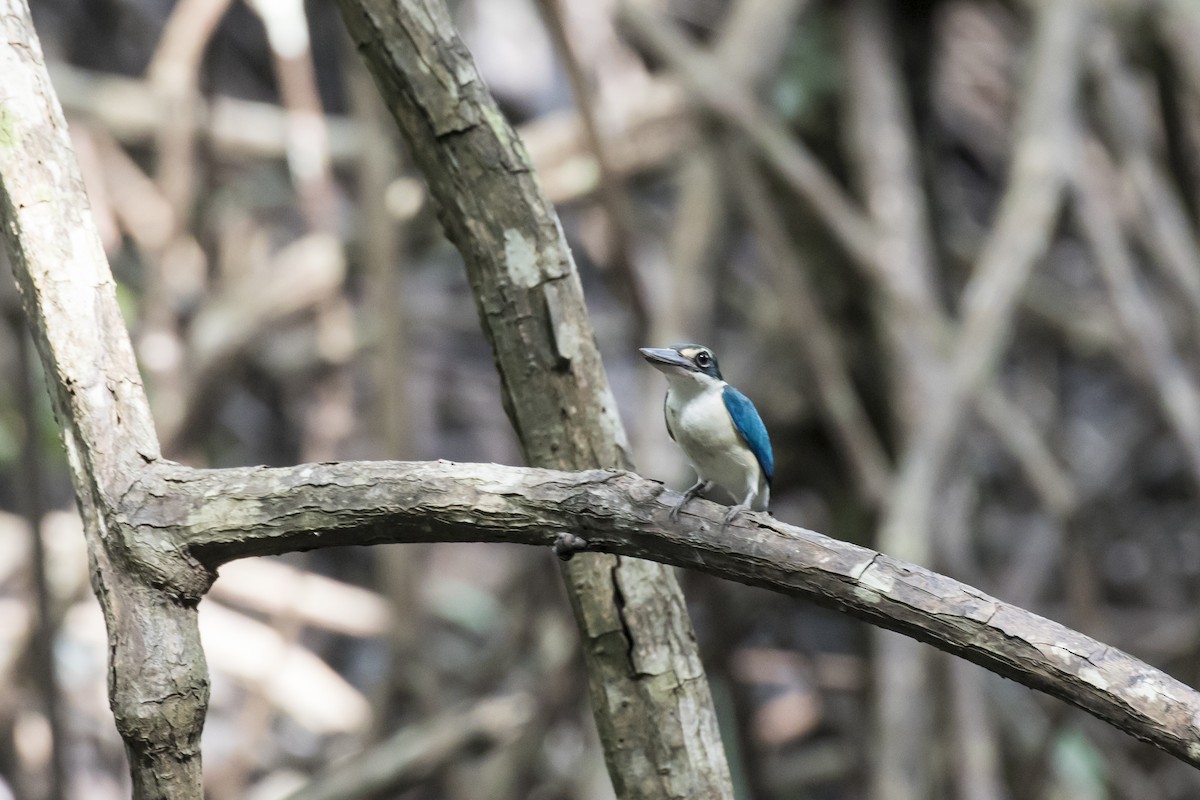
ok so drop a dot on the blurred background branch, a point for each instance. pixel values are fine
(814, 188)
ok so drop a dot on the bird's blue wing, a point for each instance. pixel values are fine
(750, 425)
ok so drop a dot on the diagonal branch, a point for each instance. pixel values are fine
(1018, 238)
(625, 275)
(649, 693)
(1149, 340)
(220, 515)
(926, 330)
(724, 95)
(419, 751)
(158, 683)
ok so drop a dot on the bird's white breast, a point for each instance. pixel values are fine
(701, 425)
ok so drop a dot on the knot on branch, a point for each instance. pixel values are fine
(566, 545)
(144, 537)
(169, 725)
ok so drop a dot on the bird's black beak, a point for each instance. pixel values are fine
(664, 358)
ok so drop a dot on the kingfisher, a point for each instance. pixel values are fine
(717, 427)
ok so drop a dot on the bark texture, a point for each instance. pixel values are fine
(211, 515)
(157, 532)
(157, 677)
(648, 689)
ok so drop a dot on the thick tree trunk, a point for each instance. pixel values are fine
(157, 678)
(648, 689)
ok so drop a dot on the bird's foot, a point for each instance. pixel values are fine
(732, 514)
(674, 515)
(691, 493)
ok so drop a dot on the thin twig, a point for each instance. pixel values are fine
(1177, 27)
(174, 71)
(977, 762)
(754, 36)
(308, 159)
(176, 269)
(884, 145)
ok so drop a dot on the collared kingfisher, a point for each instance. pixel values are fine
(717, 427)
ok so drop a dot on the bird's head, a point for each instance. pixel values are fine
(684, 363)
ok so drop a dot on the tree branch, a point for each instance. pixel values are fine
(157, 531)
(218, 515)
(649, 693)
(1149, 340)
(157, 677)
(1018, 238)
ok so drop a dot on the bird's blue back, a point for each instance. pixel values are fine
(750, 425)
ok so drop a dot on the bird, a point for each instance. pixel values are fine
(716, 426)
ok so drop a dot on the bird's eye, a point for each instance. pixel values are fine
(703, 359)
